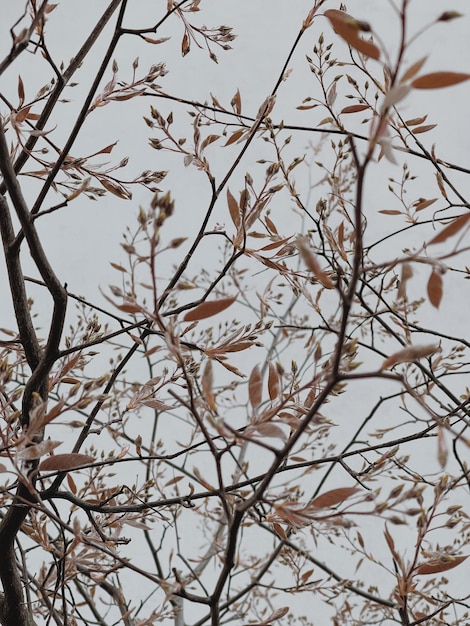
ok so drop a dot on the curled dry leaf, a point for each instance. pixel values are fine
(409, 354)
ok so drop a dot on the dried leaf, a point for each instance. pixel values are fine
(436, 80)
(442, 450)
(71, 484)
(209, 308)
(208, 140)
(442, 564)
(255, 384)
(395, 95)
(355, 108)
(422, 203)
(234, 209)
(410, 354)
(333, 497)
(348, 28)
(64, 462)
(423, 129)
(236, 102)
(234, 137)
(274, 382)
(406, 274)
(413, 70)
(451, 229)
(207, 382)
(185, 45)
(416, 121)
(310, 260)
(435, 289)
(116, 188)
(20, 92)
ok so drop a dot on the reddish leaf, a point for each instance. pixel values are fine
(355, 108)
(236, 102)
(23, 114)
(234, 209)
(348, 28)
(207, 309)
(234, 137)
(422, 203)
(451, 229)
(208, 140)
(71, 484)
(423, 129)
(436, 80)
(310, 260)
(333, 497)
(435, 289)
(20, 92)
(416, 121)
(413, 70)
(62, 462)
(436, 566)
(409, 354)
(274, 382)
(255, 383)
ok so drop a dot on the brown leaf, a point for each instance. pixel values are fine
(274, 382)
(207, 309)
(333, 497)
(451, 229)
(436, 566)
(348, 28)
(422, 203)
(234, 209)
(62, 462)
(409, 354)
(234, 137)
(185, 45)
(435, 289)
(413, 70)
(255, 384)
(208, 140)
(416, 121)
(20, 92)
(116, 188)
(309, 258)
(355, 108)
(236, 102)
(436, 80)
(207, 382)
(423, 129)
